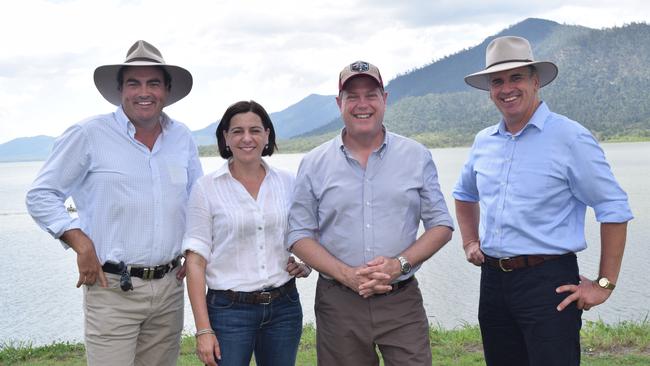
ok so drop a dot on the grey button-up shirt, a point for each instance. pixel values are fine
(359, 214)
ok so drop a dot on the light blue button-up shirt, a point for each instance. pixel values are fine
(130, 200)
(359, 214)
(534, 186)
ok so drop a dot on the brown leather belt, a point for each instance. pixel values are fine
(509, 264)
(263, 297)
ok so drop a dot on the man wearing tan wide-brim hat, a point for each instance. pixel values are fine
(129, 173)
(520, 203)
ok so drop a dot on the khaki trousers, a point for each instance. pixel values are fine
(134, 328)
(349, 328)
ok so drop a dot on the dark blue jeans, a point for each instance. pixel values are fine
(270, 331)
(520, 325)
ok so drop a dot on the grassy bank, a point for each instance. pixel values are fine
(625, 343)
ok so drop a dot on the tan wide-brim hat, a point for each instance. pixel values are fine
(507, 53)
(142, 53)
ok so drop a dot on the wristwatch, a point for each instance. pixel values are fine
(604, 282)
(405, 266)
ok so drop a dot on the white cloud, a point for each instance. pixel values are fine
(275, 52)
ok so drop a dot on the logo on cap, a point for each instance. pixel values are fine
(360, 66)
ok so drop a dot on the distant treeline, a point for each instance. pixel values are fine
(603, 83)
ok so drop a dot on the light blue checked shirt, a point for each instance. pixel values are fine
(130, 201)
(359, 214)
(534, 186)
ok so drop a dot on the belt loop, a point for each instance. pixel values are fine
(147, 273)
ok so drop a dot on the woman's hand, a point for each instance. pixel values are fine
(207, 348)
(297, 269)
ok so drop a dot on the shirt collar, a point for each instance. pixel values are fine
(124, 122)
(225, 169)
(380, 150)
(538, 120)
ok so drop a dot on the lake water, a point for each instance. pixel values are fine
(39, 301)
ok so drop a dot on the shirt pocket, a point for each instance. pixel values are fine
(177, 170)
(530, 180)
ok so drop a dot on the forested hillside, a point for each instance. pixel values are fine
(603, 83)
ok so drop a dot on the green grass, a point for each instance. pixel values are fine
(626, 343)
(24, 354)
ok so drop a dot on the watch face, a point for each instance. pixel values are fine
(405, 266)
(603, 282)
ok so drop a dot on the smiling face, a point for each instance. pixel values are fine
(362, 104)
(514, 92)
(144, 94)
(246, 137)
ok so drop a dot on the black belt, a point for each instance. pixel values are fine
(263, 297)
(396, 286)
(146, 273)
(510, 264)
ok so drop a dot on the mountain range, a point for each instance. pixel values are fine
(602, 83)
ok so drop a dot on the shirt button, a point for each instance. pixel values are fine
(367, 203)
(262, 266)
(368, 226)
(259, 228)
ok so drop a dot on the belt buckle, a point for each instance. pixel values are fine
(268, 297)
(501, 264)
(147, 273)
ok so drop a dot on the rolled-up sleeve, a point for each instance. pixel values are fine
(198, 233)
(65, 169)
(433, 208)
(303, 214)
(593, 183)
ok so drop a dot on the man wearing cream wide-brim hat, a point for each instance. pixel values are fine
(129, 173)
(528, 181)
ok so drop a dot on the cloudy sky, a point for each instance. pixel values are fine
(274, 51)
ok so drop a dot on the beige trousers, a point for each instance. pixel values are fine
(134, 328)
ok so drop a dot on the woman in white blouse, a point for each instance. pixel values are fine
(234, 244)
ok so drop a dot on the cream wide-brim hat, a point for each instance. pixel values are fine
(142, 53)
(507, 53)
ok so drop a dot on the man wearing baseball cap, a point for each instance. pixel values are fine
(358, 202)
(129, 173)
(520, 204)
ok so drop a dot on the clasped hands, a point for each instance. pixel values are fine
(373, 278)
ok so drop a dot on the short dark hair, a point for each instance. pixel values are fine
(166, 76)
(243, 107)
